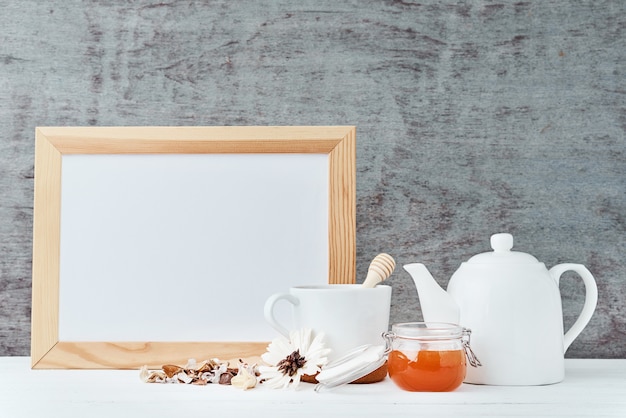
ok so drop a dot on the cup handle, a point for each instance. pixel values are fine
(591, 299)
(268, 310)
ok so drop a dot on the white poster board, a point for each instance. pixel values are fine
(177, 245)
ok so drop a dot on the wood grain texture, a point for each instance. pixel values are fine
(134, 355)
(342, 222)
(195, 139)
(474, 117)
(46, 248)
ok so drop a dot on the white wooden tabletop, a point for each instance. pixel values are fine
(592, 388)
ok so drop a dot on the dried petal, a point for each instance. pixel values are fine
(200, 382)
(144, 373)
(171, 370)
(182, 376)
(156, 377)
(206, 367)
(225, 378)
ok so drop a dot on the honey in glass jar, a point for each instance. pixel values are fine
(428, 357)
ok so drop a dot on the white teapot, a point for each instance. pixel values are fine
(512, 304)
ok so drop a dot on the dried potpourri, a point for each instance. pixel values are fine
(287, 362)
(210, 371)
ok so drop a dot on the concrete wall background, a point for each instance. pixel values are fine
(473, 117)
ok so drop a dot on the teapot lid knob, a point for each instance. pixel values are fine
(502, 242)
(502, 254)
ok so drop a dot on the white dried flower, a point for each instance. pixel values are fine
(290, 359)
(144, 374)
(245, 379)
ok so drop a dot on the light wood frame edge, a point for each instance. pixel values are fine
(339, 142)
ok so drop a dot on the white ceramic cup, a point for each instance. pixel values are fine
(348, 314)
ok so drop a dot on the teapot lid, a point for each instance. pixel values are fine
(502, 254)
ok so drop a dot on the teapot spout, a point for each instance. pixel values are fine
(437, 305)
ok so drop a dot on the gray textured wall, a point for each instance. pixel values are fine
(472, 117)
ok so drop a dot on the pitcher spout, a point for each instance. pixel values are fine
(436, 304)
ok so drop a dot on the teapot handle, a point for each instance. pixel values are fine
(591, 299)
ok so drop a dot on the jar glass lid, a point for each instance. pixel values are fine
(358, 363)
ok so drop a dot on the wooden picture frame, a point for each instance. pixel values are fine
(53, 144)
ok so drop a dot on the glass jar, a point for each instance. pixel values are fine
(428, 356)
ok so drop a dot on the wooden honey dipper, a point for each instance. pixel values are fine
(380, 269)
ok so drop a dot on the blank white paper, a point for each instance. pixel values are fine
(187, 247)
